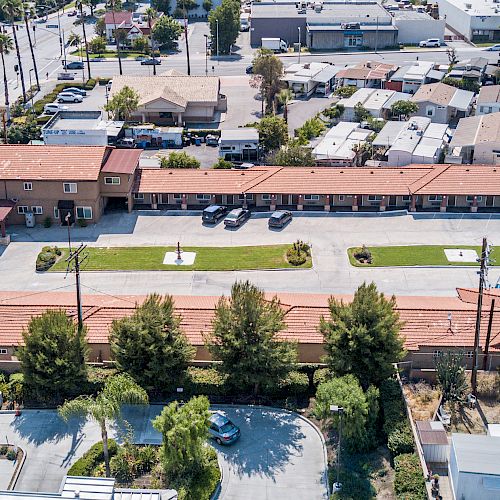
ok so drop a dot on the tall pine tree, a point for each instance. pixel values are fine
(150, 345)
(244, 338)
(362, 337)
(53, 357)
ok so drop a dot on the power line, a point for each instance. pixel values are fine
(34, 293)
(109, 294)
(74, 266)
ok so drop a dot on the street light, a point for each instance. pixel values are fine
(68, 223)
(217, 24)
(31, 89)
(206, 55)
(338, 410)
(300, 44)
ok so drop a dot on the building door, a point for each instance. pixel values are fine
(392, 201)
(490, 201)
(353, 40)
(218, 199)
(66, 207)
(452, 201)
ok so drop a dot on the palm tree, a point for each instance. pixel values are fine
(151, 13)
(28, 10)
(79, 4)
(74, 39)
(6, 46)
(112, 4)
(12, 10)
(106, 406)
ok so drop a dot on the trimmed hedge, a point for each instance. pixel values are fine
(409, 482)
(400, 440)
(92, 458)
(295, 384)
(47, 258)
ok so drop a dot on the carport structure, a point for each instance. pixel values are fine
(6, 207)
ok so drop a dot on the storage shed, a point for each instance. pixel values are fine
(474, 467)
(434, 441)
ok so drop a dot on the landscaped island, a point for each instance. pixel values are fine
(412, 255)
(207, 258)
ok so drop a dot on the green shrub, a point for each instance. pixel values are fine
(122, 468)
(321, 375)
(92, 458)
(295, 384)
(400, 440)
(81, 222)
(346, 91)
(11, 455)
(47, 257)
(91, 83)
(146, 458)
(295, 258)
(3, 450)
(47, 222)
(205, 381)
(409, 480)
(96, 378)
(363, 255)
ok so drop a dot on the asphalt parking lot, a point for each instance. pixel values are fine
(280, 455)
(329, 234)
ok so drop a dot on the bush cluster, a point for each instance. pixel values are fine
(395, 424)
(363, 255)
(298, 253)
(409, 482)
(311, 128)
(132, 462)
(346, 91)
(92, 458)
(47, 258)
(321, 375)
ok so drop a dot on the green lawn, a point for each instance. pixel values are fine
(207, 259)
(418, 255)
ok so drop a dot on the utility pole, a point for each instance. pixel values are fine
(488, 336)
(376, 37)
(482, 278)
(74, 263)
(300, 44)
(338, 410)
(187, 42)
(206, 55)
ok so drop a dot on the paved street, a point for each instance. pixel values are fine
(330, 236)
(279, 455)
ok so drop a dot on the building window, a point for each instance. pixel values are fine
(225, 148)
(437, 354)
(112, 180)
(341, 197)
(177, 196)
(3, 351)
(435, 197)
(138, 196)
(70, 187)
(203, 197)
(429, 111)
(470, 198)
(406, 198)
(241, 197)
(469, 354)
(266, 197)
(84, 212)
(374, 197)
(311, 197)
(56, 213)
(28, 186)
(37, 210)
(22, 209)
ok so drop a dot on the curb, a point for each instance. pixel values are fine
(305, 419)
(17, 471)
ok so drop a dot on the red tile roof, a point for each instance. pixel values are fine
(118, 18)
(6, 207)
(64, 163)
(425, 320)
(122, 161)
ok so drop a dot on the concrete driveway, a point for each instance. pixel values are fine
(330, 236)
(280, 455)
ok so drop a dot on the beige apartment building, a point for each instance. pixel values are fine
(54, 181)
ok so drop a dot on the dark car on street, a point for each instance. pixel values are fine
(249, 70)
(280, 218)
(74, 65)
(150, 62)
(222, 429)
(213, 213)
(236, 217)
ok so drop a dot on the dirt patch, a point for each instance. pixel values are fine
(467, 420)
(491, 410)
(423, 400)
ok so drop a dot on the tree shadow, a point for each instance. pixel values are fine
(269, 442)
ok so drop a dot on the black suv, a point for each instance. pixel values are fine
(279, 218)
(236, 217)
(213, 213)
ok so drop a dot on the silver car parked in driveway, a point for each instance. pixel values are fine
(222, 429)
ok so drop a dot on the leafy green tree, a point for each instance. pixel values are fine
(360, 113)
(462, 83)
(53, 355)
(273, 132)
(346, 392)
(166, 32)
(270, 68)
(334, 112)
(161, 6)
(179, 160)
(245, 338)
(141, 44)
(150, 345)
(228, 16)
(346, 91)
(403, 109)
(222, 164)
(207, 5)
(451, 377)
(185, 431)
(6, 45)
(23, 133)
(362, 337)
(106, 406)
(123, 103)
(97, 45)
(100, 27)
(292, 155)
